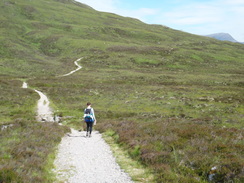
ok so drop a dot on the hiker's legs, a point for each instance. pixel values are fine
(90, 127)
(91, 124)
(87, 127)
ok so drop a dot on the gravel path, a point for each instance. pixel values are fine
(81, 159)
(44, 112)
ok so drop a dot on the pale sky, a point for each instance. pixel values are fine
(200, 17)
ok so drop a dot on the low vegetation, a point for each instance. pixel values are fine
(172, 99)
(136, 170)
(27, 147)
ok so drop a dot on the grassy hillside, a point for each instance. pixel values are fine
(174, 100)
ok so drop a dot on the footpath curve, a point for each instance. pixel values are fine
(78, 68)
(44, 112)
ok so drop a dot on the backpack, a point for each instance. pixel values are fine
(88, 117)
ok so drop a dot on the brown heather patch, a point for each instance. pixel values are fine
(25, 152)
(183, 152)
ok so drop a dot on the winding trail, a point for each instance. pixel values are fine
(81, 159)
(44, 112)
(78, 68)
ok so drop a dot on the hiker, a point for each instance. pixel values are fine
(89, 118)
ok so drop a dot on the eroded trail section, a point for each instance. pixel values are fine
(87, 160)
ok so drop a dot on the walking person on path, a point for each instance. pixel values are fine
(89, 118)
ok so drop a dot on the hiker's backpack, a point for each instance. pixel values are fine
(88, 117)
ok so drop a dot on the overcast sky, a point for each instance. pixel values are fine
(201, 17)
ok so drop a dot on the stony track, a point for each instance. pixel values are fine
(82, 159)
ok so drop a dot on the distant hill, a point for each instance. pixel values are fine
(222, 37)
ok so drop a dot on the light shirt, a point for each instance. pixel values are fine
(92, 112)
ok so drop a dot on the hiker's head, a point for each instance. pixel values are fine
(88, 103)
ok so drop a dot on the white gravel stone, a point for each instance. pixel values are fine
(82, 159)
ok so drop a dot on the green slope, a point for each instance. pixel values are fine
(48, 32)
(174, 99)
